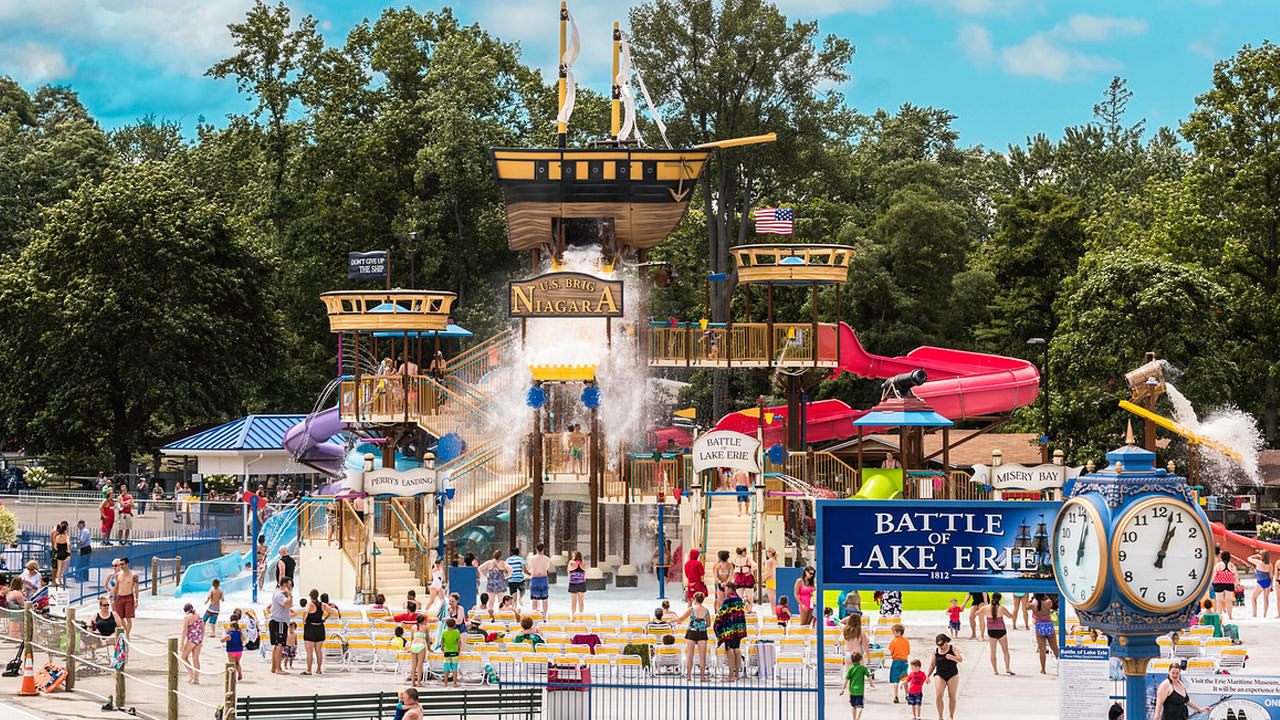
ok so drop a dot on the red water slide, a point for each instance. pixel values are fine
(1239, 546)
(961, 385)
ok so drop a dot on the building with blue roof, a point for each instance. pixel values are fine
(250, 445)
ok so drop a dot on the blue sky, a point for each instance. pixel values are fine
(1005, 68)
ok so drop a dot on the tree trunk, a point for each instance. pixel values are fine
(1269, 406)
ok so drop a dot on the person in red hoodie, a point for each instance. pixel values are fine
(693, 571)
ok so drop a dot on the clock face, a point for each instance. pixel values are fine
(1078, 550)
(1161, 554)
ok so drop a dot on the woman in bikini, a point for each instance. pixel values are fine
(1224, 584)
(1042, 622)
(997, 632)
(944, 667)
(771, 576)
(722, 571)
(744, 577)
(695, 637)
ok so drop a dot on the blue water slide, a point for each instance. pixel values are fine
(228, 570)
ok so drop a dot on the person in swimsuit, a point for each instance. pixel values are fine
(418, 648)
(495, 572)
(744, 577)
(1172, 699)
(722, 571)
(742, 485)
(803, 590)
(213, 607)
(235, 647)
(577, 584)
(993, 618)
(1021, 601)
(856, 640)
(975, 602)
(314, 614)
(771, 576)
(1224, 584)
(61, 552)
(1042, 617)
(944, 668)
(1263, 569)
(695, 637)
(436, 591)
(192, 640)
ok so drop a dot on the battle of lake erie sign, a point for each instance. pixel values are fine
(566, 294)
(726, 449)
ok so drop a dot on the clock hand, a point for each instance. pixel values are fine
(1080, 549)
(1164, 547)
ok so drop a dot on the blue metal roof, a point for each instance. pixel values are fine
(910, 418)
(252, 432)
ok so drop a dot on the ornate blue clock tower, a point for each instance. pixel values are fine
(1132, 553)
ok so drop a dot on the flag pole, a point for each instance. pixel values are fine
(615, 103)
(562, 129)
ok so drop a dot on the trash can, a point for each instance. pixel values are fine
(568, 692)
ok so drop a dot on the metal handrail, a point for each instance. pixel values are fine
(402, 525)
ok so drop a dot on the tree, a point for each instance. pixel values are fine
(147, 140)
(135, 309)
(736, 68)
(269, 66)
(1235, 130)
(1118, 306)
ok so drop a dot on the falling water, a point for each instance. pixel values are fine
(620, 373)
(1228, 425)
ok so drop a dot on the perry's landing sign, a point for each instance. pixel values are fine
(566, 294)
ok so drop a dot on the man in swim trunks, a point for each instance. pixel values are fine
(125, 594)
(539, 589)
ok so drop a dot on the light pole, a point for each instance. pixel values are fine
(1044, 395)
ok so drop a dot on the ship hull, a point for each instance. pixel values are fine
(644, 191)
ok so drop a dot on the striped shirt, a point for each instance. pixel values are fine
(516, 563)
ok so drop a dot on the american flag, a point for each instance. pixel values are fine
(777, 221)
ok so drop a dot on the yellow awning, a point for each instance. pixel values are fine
(687, 413)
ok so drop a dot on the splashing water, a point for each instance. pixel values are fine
(620, 372)
(1228, 425)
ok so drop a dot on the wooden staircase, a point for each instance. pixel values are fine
(394, 578)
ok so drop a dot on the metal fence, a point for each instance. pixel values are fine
(670, 698)
(86, 575)
(152, 518)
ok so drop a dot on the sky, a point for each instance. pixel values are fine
(1006, 69)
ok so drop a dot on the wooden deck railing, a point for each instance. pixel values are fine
(741, 344)
(403, 398)
(477, 361)
(481, 480)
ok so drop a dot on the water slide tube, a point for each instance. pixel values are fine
(961, 385)
(228, 569)
(308, 442)
(1239, 546)
(880, 484)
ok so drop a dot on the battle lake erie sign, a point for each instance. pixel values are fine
(566, 294)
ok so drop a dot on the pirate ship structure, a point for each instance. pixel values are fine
(620, 193)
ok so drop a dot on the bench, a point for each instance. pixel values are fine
(461, 703)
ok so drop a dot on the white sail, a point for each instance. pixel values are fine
(567, 60)
(623, 81)
(626, 91)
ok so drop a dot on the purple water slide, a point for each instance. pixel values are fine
(308, 442)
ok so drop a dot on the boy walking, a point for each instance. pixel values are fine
(914, 681)
(899, 651)
(856, 678)
(451, 645)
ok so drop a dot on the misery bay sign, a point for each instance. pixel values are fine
(566, 294)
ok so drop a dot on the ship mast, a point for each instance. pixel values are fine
(562, 128)
(615, 117)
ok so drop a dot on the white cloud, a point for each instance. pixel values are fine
(33, 63)
(1049, 53)
(1204, 49)
(183, 36)
(975, 40)
(1038, 56)
(1098, 28)
(807, 9)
